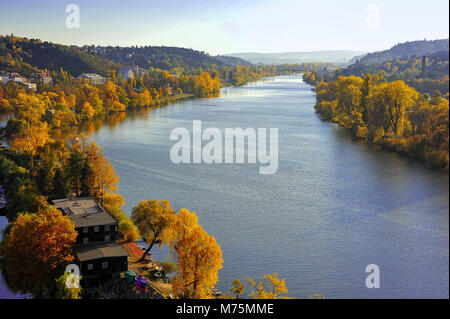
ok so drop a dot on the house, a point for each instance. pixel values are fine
(126, 73)
(101, 260)
(94, 79)
(41, 78)
(30, 86)
(12, 76)
(96, 250)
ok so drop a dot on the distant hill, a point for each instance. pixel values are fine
(29, 55)
(157, 57)
(423, 65)
(231, 60)
(337, 57)
(402, 50)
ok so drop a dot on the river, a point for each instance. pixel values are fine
(334, 206)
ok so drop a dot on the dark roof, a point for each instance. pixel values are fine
(84, 212)
(94, 219)
(100, 250)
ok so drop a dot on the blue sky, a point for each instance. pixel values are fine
(232, 26)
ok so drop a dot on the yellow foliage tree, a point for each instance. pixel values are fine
(237, 288)
(152, 219)
(199, 261)
(276, 288)
(101, 178)
(180, 227)
(87, 111)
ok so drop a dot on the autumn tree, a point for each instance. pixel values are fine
(87, 111)
(366, 96)
(390, 100)
(180, 227)
(101, 178)
(276, 287)
(30, 138)
(237, 288)
(152, 219)
(76, 168)
(36, 248)
(199, 261)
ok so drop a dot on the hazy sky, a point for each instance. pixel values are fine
(232, 26)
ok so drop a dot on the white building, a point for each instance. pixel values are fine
(126, 74)
(42, 78)
(12, 76)
(30, 86)
(94, 79)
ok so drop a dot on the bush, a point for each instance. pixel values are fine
(325, 109)
(361, 131)
(437, 159)
(168, 267)
(128, 230)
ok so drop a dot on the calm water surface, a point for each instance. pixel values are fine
(334, 206)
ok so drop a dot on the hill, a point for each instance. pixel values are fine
(231, 60)
(424, 71)
(337, 57)
(160, 57)
(29, 55)
(402, 50)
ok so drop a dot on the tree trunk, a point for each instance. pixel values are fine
(147, 251)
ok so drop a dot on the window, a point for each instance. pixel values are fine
(90, 266)
(86, 240)
(96, 229)
(106, 227)
(85, 229)
(107, 239)
(104, 264)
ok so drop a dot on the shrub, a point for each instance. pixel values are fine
(168, 267)
(361, 132)
(128, 230)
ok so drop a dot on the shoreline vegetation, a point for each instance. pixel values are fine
(38, 168)
(392, 115)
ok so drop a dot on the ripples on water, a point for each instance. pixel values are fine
(334, 206)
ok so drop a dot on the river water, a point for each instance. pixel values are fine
(334, 206)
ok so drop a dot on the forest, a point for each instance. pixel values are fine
(387, 113)
(27, 56)
(424, 73)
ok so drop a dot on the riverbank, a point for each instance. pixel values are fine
(391, 115)
(332, 196)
